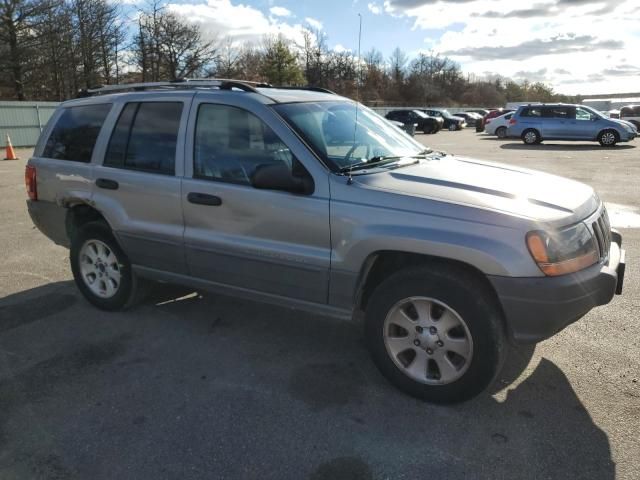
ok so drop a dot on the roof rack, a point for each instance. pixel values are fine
(192, 83)
(180, 84)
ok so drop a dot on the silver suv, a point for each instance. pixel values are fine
(303, 198)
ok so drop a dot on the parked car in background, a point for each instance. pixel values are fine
(425, 123)
(498, 126)
(451, 122)
(613, 113)
(631, 113)
(480, 111)
(536, 123)
(470, 118)
(409, 128)
(493, 113)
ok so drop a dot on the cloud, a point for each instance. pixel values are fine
(317, 24)
(280, 12)
(222, 18)
(538, 47)
(622, 71)
(532, 76)
(374, 8)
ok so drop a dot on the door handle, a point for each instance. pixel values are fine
(106, 183)
(204, 199)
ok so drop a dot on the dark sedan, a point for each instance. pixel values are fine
(450, 122)
(425, 123)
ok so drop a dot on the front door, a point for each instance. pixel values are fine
(269, 241)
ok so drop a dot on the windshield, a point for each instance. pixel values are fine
(330, 129)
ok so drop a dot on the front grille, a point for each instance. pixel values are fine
(602, 232)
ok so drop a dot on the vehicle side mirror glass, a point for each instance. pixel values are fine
(278, 176)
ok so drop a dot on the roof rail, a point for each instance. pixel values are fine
(307, 87)
(180, 84)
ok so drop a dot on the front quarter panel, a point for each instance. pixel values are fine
(367, 221)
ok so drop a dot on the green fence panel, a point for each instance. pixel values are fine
(23, 121)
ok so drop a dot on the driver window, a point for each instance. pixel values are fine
(582, 114)
(230, 143)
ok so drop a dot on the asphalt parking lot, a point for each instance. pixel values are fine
(193, 385)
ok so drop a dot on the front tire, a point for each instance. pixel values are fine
(101, 269)
(435, 333)
(608, 138)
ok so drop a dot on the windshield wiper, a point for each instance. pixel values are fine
(383, 160)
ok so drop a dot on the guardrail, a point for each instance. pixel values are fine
(23, 121)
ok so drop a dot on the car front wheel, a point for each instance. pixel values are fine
(435, 333)
(608, 138)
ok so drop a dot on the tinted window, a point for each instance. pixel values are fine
(531, 112)
(230, 143)
(145, 137)
(557, 112)
(75, 133)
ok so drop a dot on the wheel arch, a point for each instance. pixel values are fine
(79, 214)
(381, 264)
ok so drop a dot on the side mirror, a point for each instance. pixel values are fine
(277, 176)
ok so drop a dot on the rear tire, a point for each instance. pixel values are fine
(427, 129)
(453, 127)
(531, 137)
(608, 138)
(440, 308)
(101, 269)
(501, 132)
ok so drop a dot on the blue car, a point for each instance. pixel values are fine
(535, 123)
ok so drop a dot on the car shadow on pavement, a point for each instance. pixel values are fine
(196, 385)
(564, 147)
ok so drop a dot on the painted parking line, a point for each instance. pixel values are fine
(623, 216)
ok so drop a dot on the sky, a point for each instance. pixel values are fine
(576, 46)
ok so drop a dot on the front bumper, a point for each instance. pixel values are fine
(538, 308)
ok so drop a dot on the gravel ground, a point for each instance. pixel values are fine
(193, 385)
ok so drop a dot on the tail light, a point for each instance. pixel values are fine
(512, 121)
(30, 182)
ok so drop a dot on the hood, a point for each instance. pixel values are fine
(491, 186)
(624, 122)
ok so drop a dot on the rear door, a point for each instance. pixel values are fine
(556, 122)
(267, 241)
(138, 184)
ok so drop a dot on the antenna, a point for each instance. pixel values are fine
(355, 127)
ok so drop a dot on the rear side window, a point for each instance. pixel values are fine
(531, 112)
(75, 133)
(145, 137)
(557, 112)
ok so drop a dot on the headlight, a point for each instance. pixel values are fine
(564, 251)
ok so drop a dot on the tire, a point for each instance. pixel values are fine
(608, 138)
(531, 137)
(468, 312)
(453, 127)
(427, 128)
(501, 132)
(94, 243)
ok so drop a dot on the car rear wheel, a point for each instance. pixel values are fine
(101, 269)
(427, 128)
(453, 127)
(531, 137)
(501, 132)
(435, 333)
(608, 138)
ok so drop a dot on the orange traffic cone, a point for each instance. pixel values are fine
(11, 154)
